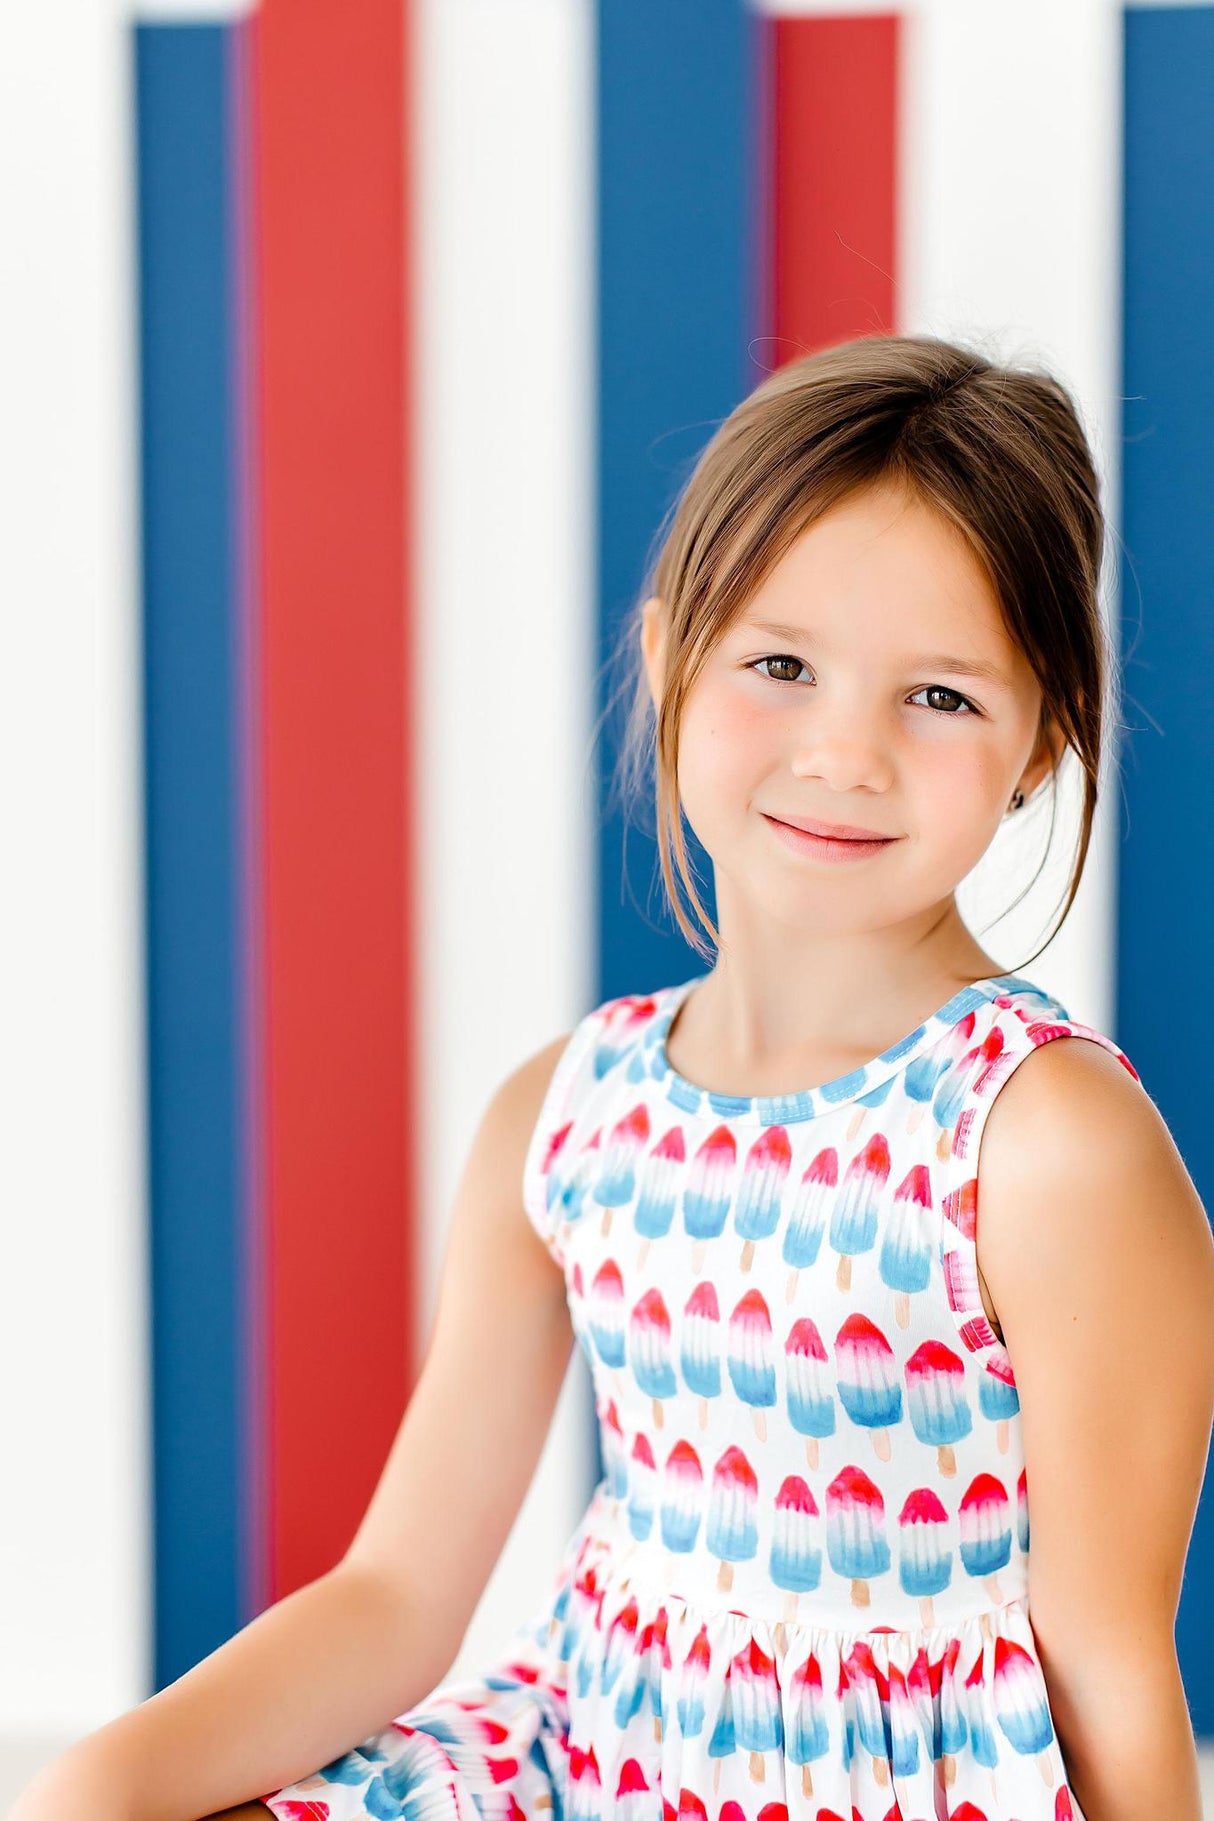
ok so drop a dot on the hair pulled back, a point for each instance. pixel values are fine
(1000, 451)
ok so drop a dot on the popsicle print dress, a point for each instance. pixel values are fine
(800, 1587)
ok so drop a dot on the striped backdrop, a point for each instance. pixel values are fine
(355, 352)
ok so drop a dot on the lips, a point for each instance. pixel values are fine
(833, 831)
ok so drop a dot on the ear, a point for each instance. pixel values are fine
(653, 646)
(1046, 757)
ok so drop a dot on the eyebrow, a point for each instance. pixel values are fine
(966, 667)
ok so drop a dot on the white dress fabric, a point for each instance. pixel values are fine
(800, 1588)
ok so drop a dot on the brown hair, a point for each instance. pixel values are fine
(999, 451)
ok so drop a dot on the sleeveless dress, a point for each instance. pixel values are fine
(800, 1587)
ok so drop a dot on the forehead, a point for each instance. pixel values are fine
(884, 568)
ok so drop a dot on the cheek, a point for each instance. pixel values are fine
(727, 735)
(950, 763)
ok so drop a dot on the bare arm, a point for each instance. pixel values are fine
(1099, 1257)
(339, 1658)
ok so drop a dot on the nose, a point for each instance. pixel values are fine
(842, 742)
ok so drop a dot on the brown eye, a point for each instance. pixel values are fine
(780, 658)
(938, 689)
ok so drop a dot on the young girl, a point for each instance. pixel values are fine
(834, 1404)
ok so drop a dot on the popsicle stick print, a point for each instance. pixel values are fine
(653, 1212)
(683, 1487)
(709, 1191)
(807, 1381)
(856, 1121)
(936, 1401)
(867, 1380)
(642, 1487)
(722, 1743)
(569, 1184)
(998, 1401)
(905, 1259)
(919, 1083)
(585, 1781)
(700, 1348)
(953, 1728)
(621, 1643)
(654, 1657)
(809, 1736)
(925, 1565)
(806, 1222)
(795, 1561)
(632, 1790)
(649, 1350)
(954, 1103)
(905, 1738)
(758, 1714)
(855, 1530)
(870, 1690)
(691, 1707)
(732, 1533)
(632, 1687)
(606, 1314)
(853, 1220)
(986, 1532)
(616, 1182)
(749, 1357)
(760, 1190)
(1021, 1707)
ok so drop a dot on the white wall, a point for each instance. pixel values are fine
(74, 1518)
(505, 598)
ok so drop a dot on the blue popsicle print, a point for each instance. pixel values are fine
(807, 1218)
(811, 1405)
(655, 1203)
(616, 1184)
(710, 1182)
(760, 1188)
(905, 1258)
(700, 1342)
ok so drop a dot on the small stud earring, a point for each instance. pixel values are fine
(1018, 799)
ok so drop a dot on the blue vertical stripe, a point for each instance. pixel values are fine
(193, 837)
(253, 1365)
(1167, 620)
(681, 289)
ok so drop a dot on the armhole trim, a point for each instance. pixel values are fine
(997, 1060)
(552, 1128)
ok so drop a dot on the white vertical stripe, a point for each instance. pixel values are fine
(504, 593)
(74, 1518)
(1010, 230)
(192, 12)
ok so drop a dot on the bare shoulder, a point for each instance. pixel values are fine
(1069, 1106)
(521, 1094)
(499, 1147)
(1079, 1174)
(1098, 1254)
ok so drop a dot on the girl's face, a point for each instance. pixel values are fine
(843, 692)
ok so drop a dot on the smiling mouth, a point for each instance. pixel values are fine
(823, 832)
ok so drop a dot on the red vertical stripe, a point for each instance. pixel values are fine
(338, 930)
(834, 172)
